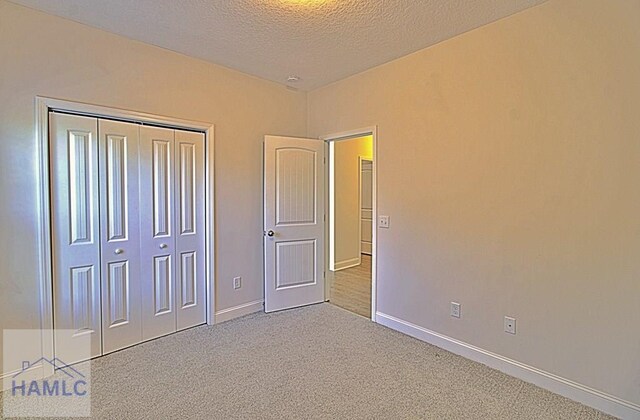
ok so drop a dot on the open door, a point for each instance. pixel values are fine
(293, 222)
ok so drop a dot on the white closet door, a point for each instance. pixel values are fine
(75, 235)
(190, 234)
(157, 231)
(120, 232)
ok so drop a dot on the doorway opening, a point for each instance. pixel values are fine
(308, 244)
(351, 232)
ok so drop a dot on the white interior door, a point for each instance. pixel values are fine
(120, 215)
(157, 231)
(190, 235)
(75, 235)
(293, 222)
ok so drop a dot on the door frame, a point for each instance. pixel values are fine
(43, 105)
(340, 136)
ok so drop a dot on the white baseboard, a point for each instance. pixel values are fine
(342, 265)
(567, 388)
(33, 373)
(240, 310)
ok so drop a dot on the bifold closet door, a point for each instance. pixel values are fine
(75, 233)
(157, 231)
(120, 233)
(190, 235)
(128, 233)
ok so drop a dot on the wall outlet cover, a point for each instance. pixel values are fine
(455, 309)
(237, 282)
(383, 222)
(509, 325)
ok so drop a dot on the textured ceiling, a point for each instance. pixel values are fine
(320, 41)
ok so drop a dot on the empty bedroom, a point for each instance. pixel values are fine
(320, 209)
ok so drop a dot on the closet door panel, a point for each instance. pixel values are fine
(190, 235)
(75, 236)
(157, 231)
(119, 189)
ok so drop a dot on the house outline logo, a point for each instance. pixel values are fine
(58, 366)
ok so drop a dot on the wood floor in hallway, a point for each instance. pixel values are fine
(351, 288)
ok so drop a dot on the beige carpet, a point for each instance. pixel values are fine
(318, 362)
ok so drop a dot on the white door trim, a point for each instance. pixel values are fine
(346, 135)
(42, 107)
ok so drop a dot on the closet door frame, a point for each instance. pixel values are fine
(44, 105)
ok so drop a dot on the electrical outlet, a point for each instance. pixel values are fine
(383, 222)
(237, 282)
(455, 309)
(509, 325)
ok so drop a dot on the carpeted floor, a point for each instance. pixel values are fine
(309, 363)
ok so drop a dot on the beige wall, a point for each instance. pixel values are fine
(509, 161)
(347, 196)
(49, 56)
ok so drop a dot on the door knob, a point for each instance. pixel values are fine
(163, 246)
(118, 251)
(270, 233)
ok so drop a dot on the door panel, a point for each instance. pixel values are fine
(118, 291)
(188, 279)
(189, 192)
(187, 186)
(294, 214)
(295, 186)
(82, 280)
(157, 232)
(75, 234)
(117, 182)
(162, 179)
(162, 287)
(121, 299)
(295, 264)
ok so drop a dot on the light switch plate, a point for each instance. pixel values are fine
(383, 222)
